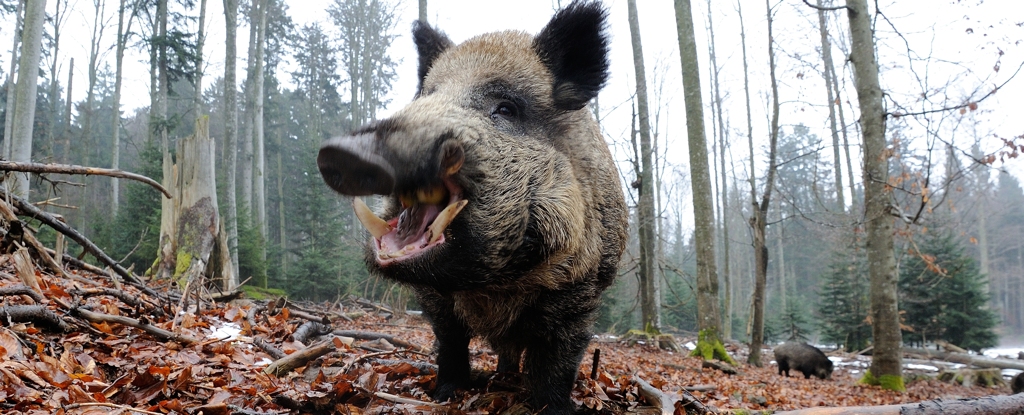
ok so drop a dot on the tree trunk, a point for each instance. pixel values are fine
(58, 22)
(758, 222)
(197, 92)
(650, 304)
(250, 103)
(724, 193)
(66, 126)
(25, 99)
(231, 128)
(197, 224)
(259, 181)
(708, 316)
(167, 217)
(423, 11)
(116, 117)
(826, 57)
(9, 84)
(885, 360)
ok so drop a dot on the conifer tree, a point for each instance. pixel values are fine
(843, 302)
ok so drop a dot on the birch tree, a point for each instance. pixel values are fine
(231, 127)
(9, 83)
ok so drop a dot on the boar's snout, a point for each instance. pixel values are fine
(351, 166)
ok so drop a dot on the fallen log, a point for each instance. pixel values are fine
(1000, 404)
(281, 367)
(978, 361)
(160, 333)
(33, 314)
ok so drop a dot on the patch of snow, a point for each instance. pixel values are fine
(1003, 352)
(264, 362)
(690, 345)
(227, 331)
(929, 368)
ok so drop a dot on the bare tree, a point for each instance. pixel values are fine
(259, 160)
(231, 127)
(25, 99)
(724, 190)
(759, 220)
(123, 28)
(886, 361)
(9, 83)
(650, 303)
(709, 344)
(826, 57)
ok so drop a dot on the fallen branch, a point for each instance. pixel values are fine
(33, 314)
(425, 368)
(978, 361)
(21, 290)
(129, 299)
(282, 366)
(30, 210)
(125, 408)
(127, 321)
(722, 366)
(72, 169)
(268, 348)
(656, 397)
(1001, 404)
(366, 335)
(309, 316)
(27, 236)
(410, 401)
(309, 330)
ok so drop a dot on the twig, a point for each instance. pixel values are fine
(27, 235)
(148, 328)
(32, 313)
(109, 405)
(822, 8)
(410, 401)
(268, 348)
(366, 335)
(348, 366)
(281, 367)
(594, 363)
(129, 299)
(72, 169)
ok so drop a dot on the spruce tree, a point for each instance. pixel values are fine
(943, 295)
(843, 302)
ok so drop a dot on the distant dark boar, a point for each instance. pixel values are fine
(1017, 384)
(803, 357)
(503, 205)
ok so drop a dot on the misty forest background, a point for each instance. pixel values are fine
(958, 241)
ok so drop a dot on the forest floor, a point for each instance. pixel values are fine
(85, 345)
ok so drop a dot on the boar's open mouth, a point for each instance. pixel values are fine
(420, 225)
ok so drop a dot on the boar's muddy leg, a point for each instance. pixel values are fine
(551, 365)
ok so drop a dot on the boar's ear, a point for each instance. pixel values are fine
(574, 47)
(430, 43)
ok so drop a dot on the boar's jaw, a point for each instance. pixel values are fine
(417, 229)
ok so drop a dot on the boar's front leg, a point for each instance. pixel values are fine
(452, 344)
(551, 364)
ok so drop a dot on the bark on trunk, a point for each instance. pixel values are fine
(9, 113)
(116, 117)
(259, 181)
(25, 99)
(724, 193)
(250, 101)
(708, 316)
(231, 128)
(885, 361)
(650, 304)
(826, 57)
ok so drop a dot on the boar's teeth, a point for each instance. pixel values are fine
(377, 226)
(444, 218)
(432, 196)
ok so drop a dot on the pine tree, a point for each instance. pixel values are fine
(843, 302)
(943, 296)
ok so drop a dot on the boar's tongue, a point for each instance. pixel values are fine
(412, 222)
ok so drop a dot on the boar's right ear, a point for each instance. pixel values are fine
(574, 47)
(430, 43)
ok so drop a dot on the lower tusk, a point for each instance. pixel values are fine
(445, 218)
(377, 226)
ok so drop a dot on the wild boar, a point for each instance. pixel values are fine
(1017, 384)
(803, 357)
(503, 208)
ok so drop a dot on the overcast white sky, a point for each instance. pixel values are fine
(955, 47)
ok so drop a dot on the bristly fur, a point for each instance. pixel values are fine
(575, 47)
(430, 43)
(524, 263)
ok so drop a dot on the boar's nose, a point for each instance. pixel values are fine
(352, 166)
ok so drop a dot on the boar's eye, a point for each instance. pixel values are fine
(505, 109)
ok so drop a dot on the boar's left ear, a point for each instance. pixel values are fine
(430, 43)
(574, 47)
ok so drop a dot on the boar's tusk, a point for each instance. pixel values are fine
(444, 218)
(377, 226)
